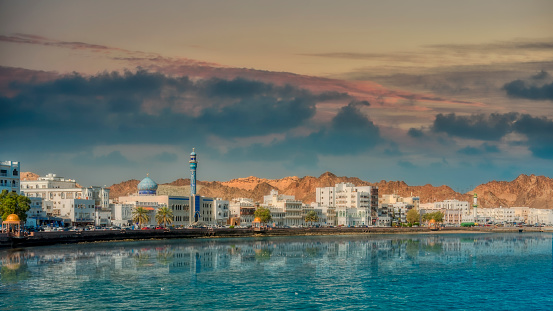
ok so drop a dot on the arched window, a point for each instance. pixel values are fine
(15, 172)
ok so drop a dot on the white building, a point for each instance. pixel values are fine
(121, 214)
(393, 208)
(354, 206)
(455, 211)
(398, 212)
(35, 215)
(540, 217)
(9, 176)
(193, 210)
(285, 209)
(242, 211)
(61, 197)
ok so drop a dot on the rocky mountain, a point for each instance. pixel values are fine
(28, 176)
(533, 191)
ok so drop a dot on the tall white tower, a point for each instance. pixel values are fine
(193, 166)
(194, 199)
(474, 207)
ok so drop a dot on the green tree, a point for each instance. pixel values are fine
(263, 213)
(438, 216)
(140, 216)
(311, 217)
(413, 216)
(164, 216)
(427, 216)
(13, 203)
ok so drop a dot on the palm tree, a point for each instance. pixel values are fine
(164, 215)
(140, 216)
(311, 216)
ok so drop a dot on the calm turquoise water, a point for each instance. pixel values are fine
(390, 272)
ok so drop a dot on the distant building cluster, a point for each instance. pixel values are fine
(60, 202)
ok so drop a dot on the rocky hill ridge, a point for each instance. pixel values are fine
(532, 191)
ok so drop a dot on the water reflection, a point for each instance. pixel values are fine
(196, 256)
(359, 267)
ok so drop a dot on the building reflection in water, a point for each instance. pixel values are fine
(380, 254)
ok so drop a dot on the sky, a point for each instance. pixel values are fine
(428, 92)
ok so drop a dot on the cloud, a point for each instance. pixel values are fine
(76, 111)
(521, 89)
(415, 133)
(481, 150)
(350, 132)
(402, 57)
(538, 130)
(477, 126)
(113, 52)
(516, 45)
(541, 75)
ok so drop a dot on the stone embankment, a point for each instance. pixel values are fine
(68, 237)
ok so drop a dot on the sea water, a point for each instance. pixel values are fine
(377, 272)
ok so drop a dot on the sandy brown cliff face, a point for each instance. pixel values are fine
(532, 191)
(123, 188)
(28, 176)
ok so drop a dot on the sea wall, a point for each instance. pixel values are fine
(67, 237)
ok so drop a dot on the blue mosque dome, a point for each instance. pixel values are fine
(147, 186)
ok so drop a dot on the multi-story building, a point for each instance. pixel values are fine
(393, 208)
(354, 206)
(62, 198)
(35, 213)
(455, 211)
(121, 214)
(285, 209)
(242, 211)
(52, 188)
(540, 217)
(321, 215)
(521, 214)
(9, 176)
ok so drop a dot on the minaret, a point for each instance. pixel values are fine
(474, 207)
(193, 165)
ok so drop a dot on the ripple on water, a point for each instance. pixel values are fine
(312, 273)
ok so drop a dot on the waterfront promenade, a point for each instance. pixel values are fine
(69, 237)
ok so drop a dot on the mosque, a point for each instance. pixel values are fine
(187, 210)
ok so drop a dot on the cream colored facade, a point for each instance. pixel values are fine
(350, 205)
(285, 209)
(244, 209)
(212, 211)
(62, 198)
